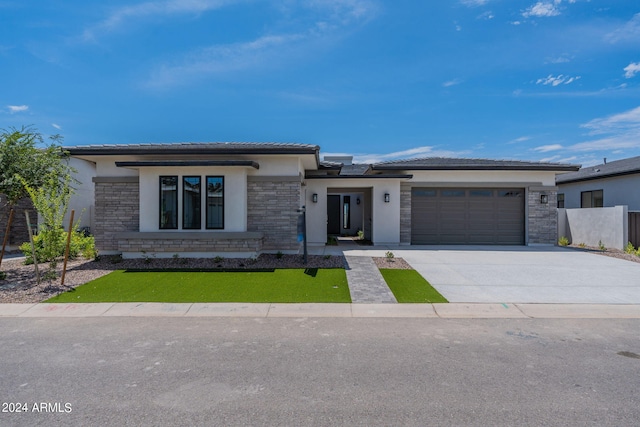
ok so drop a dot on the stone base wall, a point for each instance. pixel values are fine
(18, 233)
(177, 246)
(117, 209)
(542, 218)
(272, 204)
(405, 213)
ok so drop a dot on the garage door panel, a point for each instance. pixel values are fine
(467, 216)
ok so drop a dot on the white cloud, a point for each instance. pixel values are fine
(547, 148)
(474, 3)
(557, 80)
(542, 9)
(628, 120)
(57, 126)
(424, 151)
(628, 32)
(121, 16)
(632, 69)
(17, 108)
(619, 131)
(334, 19)
(520, 139)
(486, 15)
(558, 60)
(453, 82)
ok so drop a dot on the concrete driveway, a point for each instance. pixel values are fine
(482, 274)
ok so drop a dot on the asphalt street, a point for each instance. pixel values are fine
(319, 371)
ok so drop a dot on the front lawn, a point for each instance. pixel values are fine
(280, 285)
(410, 287)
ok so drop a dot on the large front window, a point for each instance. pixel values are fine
(215, 202)
(192, 199)
(168, 202)
(592, 199)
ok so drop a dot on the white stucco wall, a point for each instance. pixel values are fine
(235, 196)
(594, 225)
(622, 190)
(82, 200)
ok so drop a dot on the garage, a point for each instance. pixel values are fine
(467, 216)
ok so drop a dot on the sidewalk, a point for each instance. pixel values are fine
(444, 311)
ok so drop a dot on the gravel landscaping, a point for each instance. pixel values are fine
(392, 263)
(20, 285)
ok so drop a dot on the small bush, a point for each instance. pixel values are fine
(563, 241)
(3, 275)
(279, 255)
(630, 249)
(601, 246)
(582, 245)
(80, 245)
(389, 255)
(218, 259)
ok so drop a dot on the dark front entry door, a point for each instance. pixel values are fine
(333, 214)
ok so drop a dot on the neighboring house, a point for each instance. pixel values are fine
(606, 185)
(241, 199)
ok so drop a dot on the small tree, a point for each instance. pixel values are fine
(23, 160)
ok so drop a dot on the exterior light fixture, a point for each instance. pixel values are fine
(358, 201)
(314, 198)
(544, 199)
(386, 197)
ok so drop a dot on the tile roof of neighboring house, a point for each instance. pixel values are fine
(609, 169)
(196, 148)
(443, 163)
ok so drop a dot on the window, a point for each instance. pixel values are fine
(560, 200)
(191, 202)
(592, 199)
(168, 202)
(346, 212)
(452, 193)
(481, 193)
(215, 202)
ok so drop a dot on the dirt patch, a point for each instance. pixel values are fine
(20, 285)
(614, 253)
(394, 263)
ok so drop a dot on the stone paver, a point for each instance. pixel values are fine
(366, 283)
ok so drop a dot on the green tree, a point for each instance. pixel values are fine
(24, 154)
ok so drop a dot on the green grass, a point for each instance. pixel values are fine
(410, 286)
(281, 285)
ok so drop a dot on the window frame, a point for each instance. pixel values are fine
(206, 198)
(198, 217)
(591, 194)
(560, 199)
(161, 199)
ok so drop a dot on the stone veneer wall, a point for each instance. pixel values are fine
(271, 209)
(176, 245)
(542, 218)
(405, 213)
(18, 234)
(117, 209)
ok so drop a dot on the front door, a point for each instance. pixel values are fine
(333, 214)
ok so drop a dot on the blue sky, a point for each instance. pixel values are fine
(550, 80)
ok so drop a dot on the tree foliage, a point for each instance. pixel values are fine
(23, 153)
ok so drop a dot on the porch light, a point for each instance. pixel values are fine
(386, 197)
(314, 198)
(544, 199)
(358, 201)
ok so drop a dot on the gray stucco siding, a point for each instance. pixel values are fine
(617, 191)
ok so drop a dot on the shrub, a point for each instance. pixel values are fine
(3, 275)
(602, 246)
(389, 255)
(563, 241)
(279, 255)
(80, 245)
(630, 249)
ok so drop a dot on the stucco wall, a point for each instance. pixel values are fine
(594, 225)
(235, 196)
(617, 191)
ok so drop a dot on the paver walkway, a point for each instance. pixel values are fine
(366, 284)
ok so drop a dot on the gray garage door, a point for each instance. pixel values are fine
(467, 216)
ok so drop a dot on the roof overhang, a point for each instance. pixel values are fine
(560, 181)
(186, 163)
(550, 168)
(378, 176)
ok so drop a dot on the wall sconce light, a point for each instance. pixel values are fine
(314, 198)
(544, 199)
(386, 197)
(358, 201)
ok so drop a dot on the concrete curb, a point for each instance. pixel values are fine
(267, 310)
